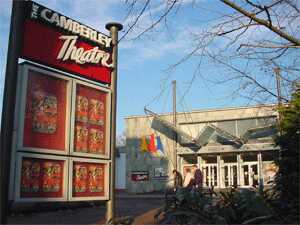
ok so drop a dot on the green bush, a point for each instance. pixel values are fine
(232, 206)
(287, 178)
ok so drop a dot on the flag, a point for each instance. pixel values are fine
(151, 146)
(143, 147)
(159, 146)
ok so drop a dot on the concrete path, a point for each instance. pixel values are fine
(148, 218)
(141, 207)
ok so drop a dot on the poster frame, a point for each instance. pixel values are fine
(106, 179)
(17, 196)
(107, 121)
(23, 75)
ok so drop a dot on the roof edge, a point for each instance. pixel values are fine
(206, 110)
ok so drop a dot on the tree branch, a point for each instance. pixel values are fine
(136, 20)
(268, 14)
(254, 5)
(263, 22)
(245, 75)
(268, 46)
(238, 28)
(158, 20)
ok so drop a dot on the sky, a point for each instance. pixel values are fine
(144, 70)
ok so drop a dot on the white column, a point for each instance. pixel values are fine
(242, 178)
(229, 175)
(209, 175)
(259, 168)
(199, 162)
(219, 171)
(179, 163)
(239, 169)
(250, 175)
(222, 175)
(204, 175)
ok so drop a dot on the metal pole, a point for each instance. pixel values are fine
(279, 97)
(175, 123)
(278, 84)
(110, 206)
(7, 120)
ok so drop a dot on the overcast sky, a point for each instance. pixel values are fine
(144, 78)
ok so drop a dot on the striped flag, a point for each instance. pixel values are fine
(144, 145)
(159, 147)
(151, 146)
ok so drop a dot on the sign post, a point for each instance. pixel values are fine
(9, 96)
(57, 135)
(114, 28)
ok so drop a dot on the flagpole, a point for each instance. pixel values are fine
(174, 122)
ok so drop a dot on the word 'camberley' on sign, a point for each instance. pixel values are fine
(70, 25)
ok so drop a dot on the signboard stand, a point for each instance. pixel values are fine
(73, 80)
(9, 96)
(110, 206)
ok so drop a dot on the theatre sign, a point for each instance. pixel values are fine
(61, 138)
(63, 43)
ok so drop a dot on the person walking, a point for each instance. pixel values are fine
(188, 179)
(198, 178)
(177, 180)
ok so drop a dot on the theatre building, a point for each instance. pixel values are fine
(232, 147)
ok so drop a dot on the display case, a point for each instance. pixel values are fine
(44, 111)
(61, 143)
(89, 179)
(41, 177)
(90, 121)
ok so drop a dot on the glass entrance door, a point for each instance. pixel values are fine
(230, 174)
(250, 174)
(210, 175)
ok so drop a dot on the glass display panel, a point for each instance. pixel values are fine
(90, 120)
(45, 112)
(88, 179)
(41, 178)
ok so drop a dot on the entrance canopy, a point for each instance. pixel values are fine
(209, 132)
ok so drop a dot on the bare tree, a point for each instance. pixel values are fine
(245, 42)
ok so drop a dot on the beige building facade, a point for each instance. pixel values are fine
(231, 146)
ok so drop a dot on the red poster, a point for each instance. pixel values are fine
(90, 120)
(81, 138)
(45, 113)
(41, 178)
(88, 179)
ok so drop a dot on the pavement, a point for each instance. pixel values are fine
(153, 195)
(149, 217)
(142, 207)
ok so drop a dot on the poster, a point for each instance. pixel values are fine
(160, 173)
(45, 112)
(41, 178)
(88, 179)
(140, 176)
(90, 120)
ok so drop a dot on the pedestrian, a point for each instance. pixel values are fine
(198, 178)
(177, 180)
(188, 179)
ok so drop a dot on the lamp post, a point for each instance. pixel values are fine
(114, 28)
